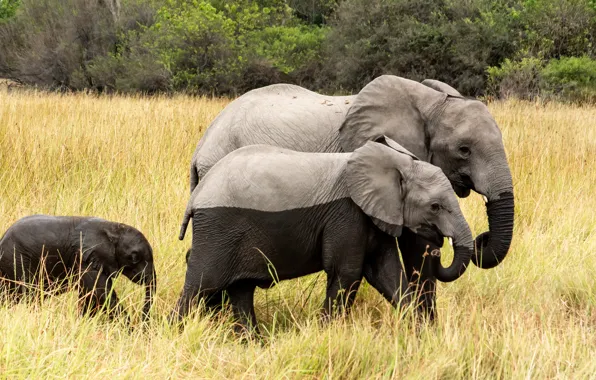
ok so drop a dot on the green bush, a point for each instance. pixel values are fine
(571, 78)
(313, 11)
(289, 48)
(568, 78)
(450, 41)
(79, 45)
(207, 47)
(8, 8)
(519, 79)
(50, 43)
(558, 28)
(197, 46)
(226, 47)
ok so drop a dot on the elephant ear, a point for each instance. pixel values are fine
(374, 180)
(394, 145)
(442, 87)
(99, 248)
(391, 106)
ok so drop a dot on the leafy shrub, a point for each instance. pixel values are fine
(259, 73)
(289, 48)
(8, 8)
(75, 44)
(135, 69)
(450, 41)
(558, 28)
(55, 53)
(196, 44)
(313, 11)
(225, 47)
(571, 78)
(568, 78)
(519, 79)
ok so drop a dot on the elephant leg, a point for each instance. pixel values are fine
(216, 301)
(96, 292)
(341, 292)
(242, 299)
(342, 261)
(192, 293)
(204, 278)
(185, 303)
(384, 272)
(419, 271)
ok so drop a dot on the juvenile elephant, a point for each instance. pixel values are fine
(264, 209)
(430, 119)
(53, 248)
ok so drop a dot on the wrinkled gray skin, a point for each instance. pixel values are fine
(430, 119)
(92, 250)
(305, 212)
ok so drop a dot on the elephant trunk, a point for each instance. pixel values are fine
(463, 249)
(150, 281)
(492, 246)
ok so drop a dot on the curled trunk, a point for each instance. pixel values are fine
(462, 253)
(492, 246)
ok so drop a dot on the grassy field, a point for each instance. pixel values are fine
(127, 159)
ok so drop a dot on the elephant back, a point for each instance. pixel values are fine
(266, 178)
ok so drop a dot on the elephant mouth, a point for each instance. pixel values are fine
(432, 234)
(462, 191)
(463, 185)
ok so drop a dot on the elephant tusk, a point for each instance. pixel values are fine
(450, 241)
(485, 199)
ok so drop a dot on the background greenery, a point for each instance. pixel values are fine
(503, 48)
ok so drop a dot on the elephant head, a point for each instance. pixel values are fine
(396, 189)
(131, 254)
(437, 124)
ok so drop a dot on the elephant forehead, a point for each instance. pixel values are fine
(278, 181)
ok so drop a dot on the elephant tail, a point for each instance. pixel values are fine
(194, 177)
(185, 221)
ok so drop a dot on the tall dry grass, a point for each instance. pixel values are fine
(127, 159)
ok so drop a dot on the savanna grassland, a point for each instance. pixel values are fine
(127, 159)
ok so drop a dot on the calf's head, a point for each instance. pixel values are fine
(128, 251)
(397, 190)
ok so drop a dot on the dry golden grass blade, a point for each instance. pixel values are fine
(127, 159)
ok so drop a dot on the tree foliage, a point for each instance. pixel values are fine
(450, 41)
(520, 48)
(8, 8)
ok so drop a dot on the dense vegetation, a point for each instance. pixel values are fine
(525, 48)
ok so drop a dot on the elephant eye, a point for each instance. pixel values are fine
(134, 257)
(464, 151)
(435, 207)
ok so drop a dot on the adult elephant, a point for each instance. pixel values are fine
(430, 119)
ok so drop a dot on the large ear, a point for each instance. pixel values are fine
(99, 248)
(394, 145)
(374, 180)
(114, 231)
(442, 87)
(390, 106)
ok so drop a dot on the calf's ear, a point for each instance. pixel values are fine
(442, 87)
(99, 250)
(374, 179)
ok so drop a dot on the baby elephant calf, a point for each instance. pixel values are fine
(44, 251)
(264, 213)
